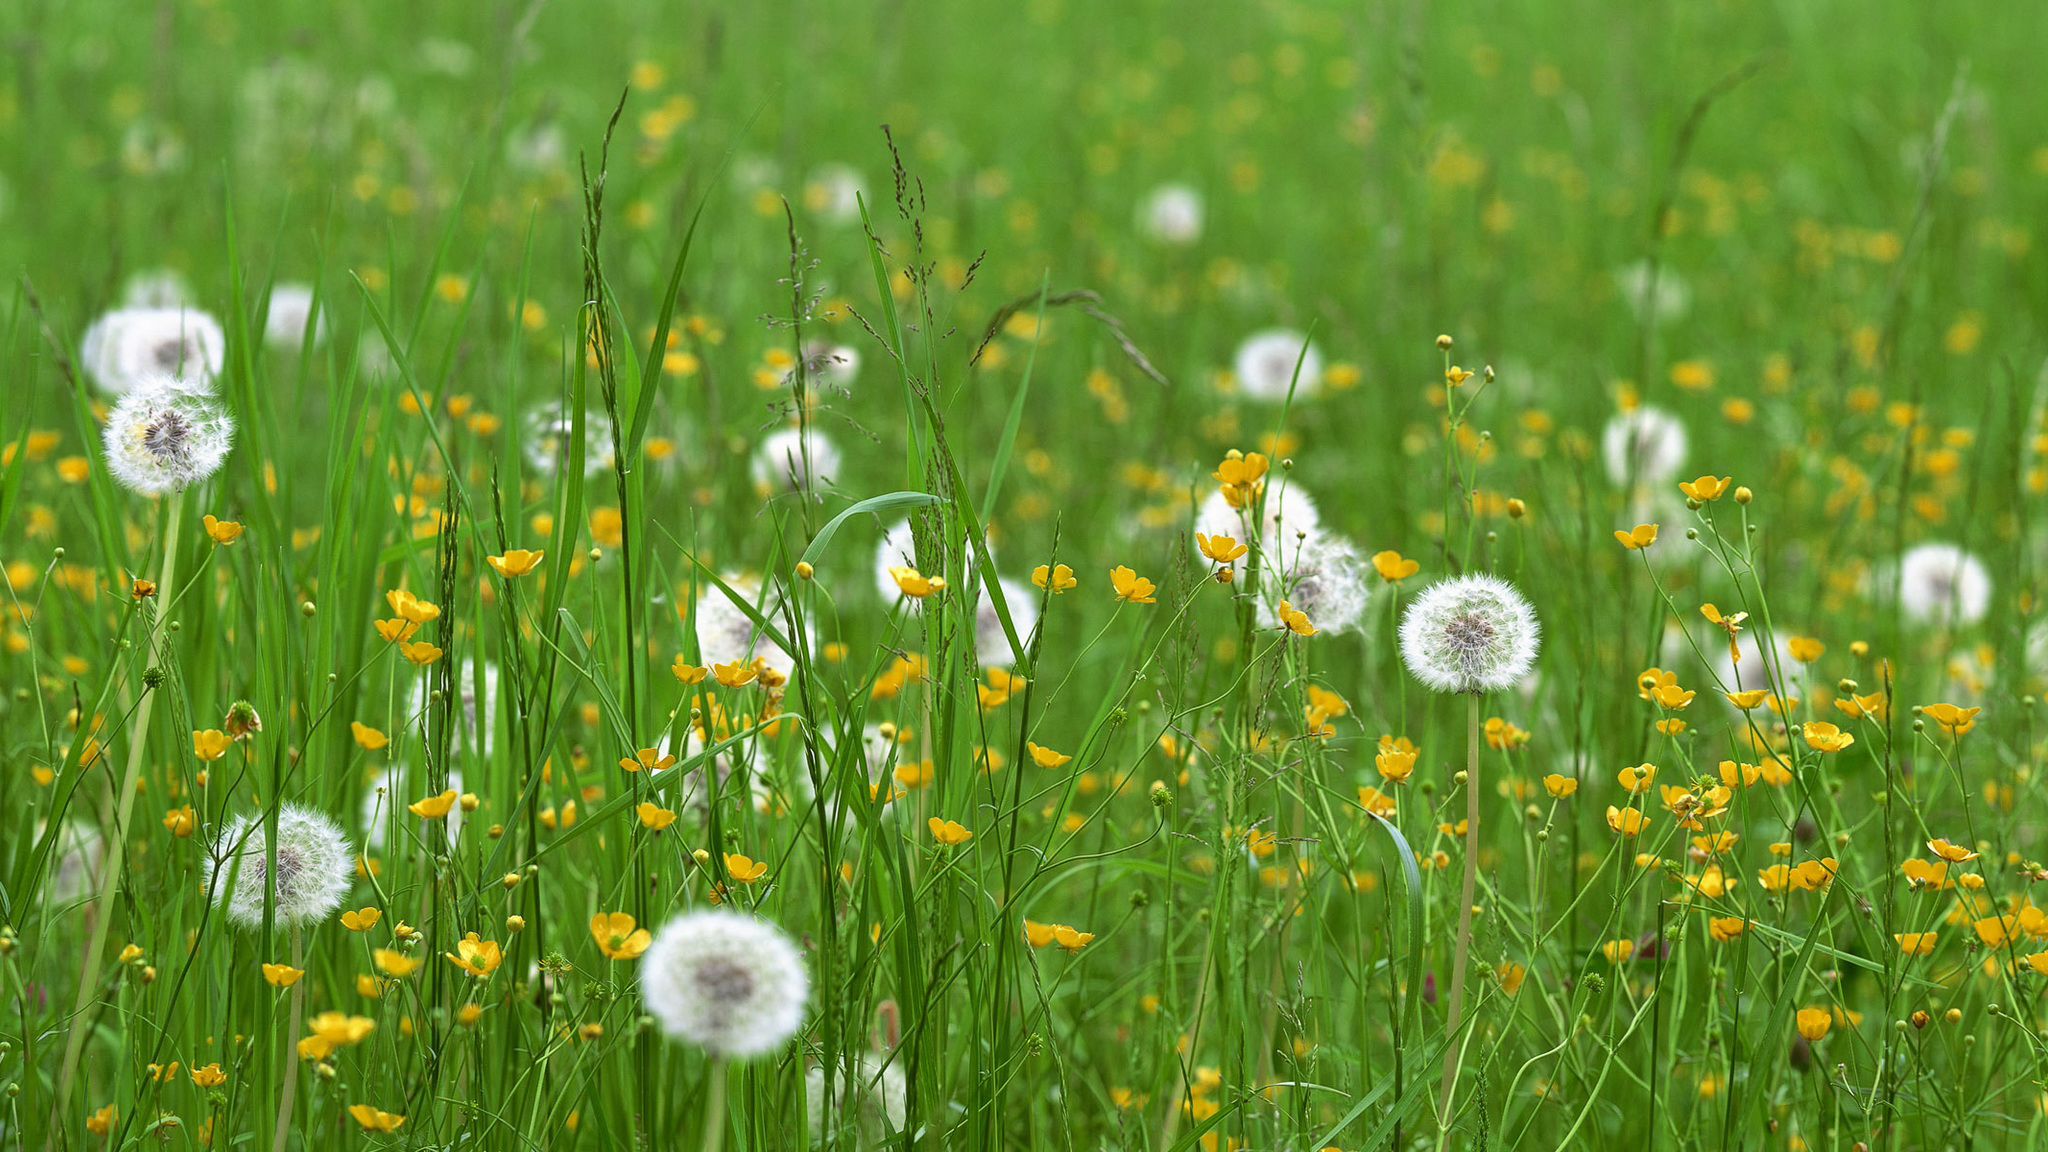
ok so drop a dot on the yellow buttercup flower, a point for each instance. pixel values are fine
(211, 744)
(744, 869)
(476, 956)
(516, 562)
(394, 963)
(1045, 757)
(1131, 587)
(735, 675)
(1296, 620)
(950, 833)
(654, 816)
(1637, 539)
(1813, 1023)
(1221, 549)
(617, 937)
(374, 1120)
(367, 738)
(1825, 737)
(650, 759)
(282, 975)
(1393, 566)
(687, 672)
(434, 807)
(916, 584)
(1706, 489)
(222, 531)
(1560, 786)
(361, 920)
(421, 652)
(1061, 578)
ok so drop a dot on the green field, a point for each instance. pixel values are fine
(921, 502)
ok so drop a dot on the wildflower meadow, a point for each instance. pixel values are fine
(1291, 576)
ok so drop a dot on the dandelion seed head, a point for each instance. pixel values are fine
(1325, 579)
(132, 347)
(547, 439)
(315, 867)
(726, 982)
(725, 635)
(1291, 520)
(1172, 214)
(1472, 633)
(162, 438)
(1942, 585)
(870, 1097)
(1643, 445)
(384, 806)
(791, 458)
(291, 308)
(1265, 366)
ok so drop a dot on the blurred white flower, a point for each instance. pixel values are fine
(832, 365)
(291, 307)
(726, 982)
(868, 1096)
(384, 805)
(1172, 214)
(156, 288)
(1291, 521)
(468, 738)
(833, 192)
(1941, 584)
(546, 442)
(1643, 445)
(788, 459)
(990, 642)
(161, 438)
(725, 634)
(1672, 295)
(130, 345)
(1265, 366)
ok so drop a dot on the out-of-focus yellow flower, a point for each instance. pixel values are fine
(367, 738)
(374, 1120)
(210, 744)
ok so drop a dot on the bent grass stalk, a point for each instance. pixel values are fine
(103, 906)
(1453, 1049)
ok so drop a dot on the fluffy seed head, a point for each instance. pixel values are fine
(1291, 521)
(792, 458)
(1172, 214)
(1324, 578)
(725, 635)
(1265, 366)
(291, 308)
(130, 347)
(1941, 584)
(161, 438)
(1643, 445)
(548, 429)
(726, 982)
(870, 1098)
(1469, 634)
(315, 867)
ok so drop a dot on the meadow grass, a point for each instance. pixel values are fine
(551, 562)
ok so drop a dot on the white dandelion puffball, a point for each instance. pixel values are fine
(990, 641)
(834, 192)
(469, 737)
(1941, 584)
(384, 805)
(791, 458)
(315, 867)
(156, 288)
(1470, 633)
(1172, 214)
(897, 549)
(1644, 445)
(1323, 578)
(733, 985)
(1291, 521)
(129, 347)
(832, 365)
(75, 872)
(548, 429)
(1265, 366)
(161, 438)
(725, 635)
(869, 1096)
(1667, 302)
(291, 308)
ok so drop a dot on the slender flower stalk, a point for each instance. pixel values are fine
(124, 804)
(1453, 1046)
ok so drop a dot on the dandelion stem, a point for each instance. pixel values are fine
(714, 1108)
(124, 802)
(1452, 1048)
(291, 1050)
